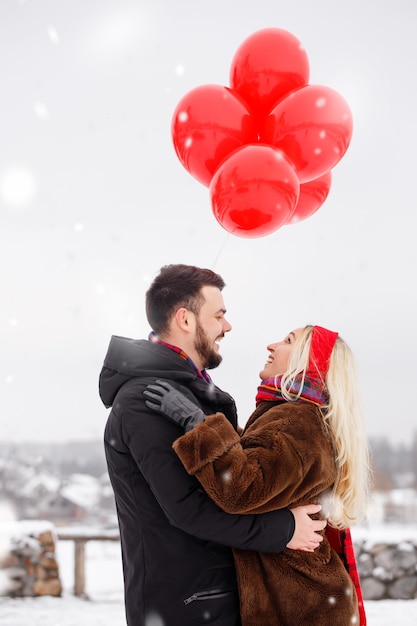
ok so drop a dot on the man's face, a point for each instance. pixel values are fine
(211, 326)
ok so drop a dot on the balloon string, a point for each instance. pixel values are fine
(221, 250)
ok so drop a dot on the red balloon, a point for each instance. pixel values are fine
(254, 191)
(312, 195)
(268, 65)
(208, 124)
(313, 127)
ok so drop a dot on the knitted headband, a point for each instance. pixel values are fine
(322, 343)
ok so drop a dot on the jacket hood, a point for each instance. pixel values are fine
(137, 358)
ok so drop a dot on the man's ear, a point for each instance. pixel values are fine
(185, 319)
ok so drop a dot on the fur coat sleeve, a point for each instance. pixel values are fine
(283, 458)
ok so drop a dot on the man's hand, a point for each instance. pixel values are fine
(307, 531)
(163, 398)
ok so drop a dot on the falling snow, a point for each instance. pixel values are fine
(104, 585)
(114, 36)
(105, 592)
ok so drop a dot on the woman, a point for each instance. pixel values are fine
(304, 443)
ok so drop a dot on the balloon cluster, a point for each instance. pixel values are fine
(265, 145)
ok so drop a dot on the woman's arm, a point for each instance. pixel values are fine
(280, 461)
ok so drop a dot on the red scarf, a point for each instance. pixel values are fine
(311, 391)
(341, 542)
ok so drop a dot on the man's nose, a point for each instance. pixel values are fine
(227, 327)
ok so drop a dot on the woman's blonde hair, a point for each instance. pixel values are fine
(348, 501)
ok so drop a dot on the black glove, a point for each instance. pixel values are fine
(162, 397)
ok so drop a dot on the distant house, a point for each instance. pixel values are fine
(61, 510)
(73, 502)
(395, 505)
(40, 486)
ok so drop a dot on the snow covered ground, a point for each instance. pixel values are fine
(105, 590)
(69, 611)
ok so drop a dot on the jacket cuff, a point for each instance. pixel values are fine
(206, 442)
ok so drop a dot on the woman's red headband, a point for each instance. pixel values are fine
(322, 343)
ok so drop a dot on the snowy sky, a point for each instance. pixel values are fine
(93, 200)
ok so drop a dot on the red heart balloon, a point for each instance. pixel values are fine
(254, 191)
(268, 65)
(312, 196)
(208, 124)
(313, 127)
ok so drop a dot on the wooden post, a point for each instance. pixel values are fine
(79, 567)
(79, 552)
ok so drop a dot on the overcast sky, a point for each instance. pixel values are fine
(93, 200)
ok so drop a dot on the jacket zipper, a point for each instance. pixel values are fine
(207, 595)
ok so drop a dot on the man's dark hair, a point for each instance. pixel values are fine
(177, 286)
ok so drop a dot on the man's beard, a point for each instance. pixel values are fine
(209, 357)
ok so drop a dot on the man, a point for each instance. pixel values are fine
(176, 543)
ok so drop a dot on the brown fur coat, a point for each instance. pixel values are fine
(283, 458)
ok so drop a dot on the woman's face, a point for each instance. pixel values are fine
(279, 354)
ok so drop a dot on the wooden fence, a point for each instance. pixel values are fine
(80, 540)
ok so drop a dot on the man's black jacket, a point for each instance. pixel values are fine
(177, 563)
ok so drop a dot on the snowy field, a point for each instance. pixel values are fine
(104, 587)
